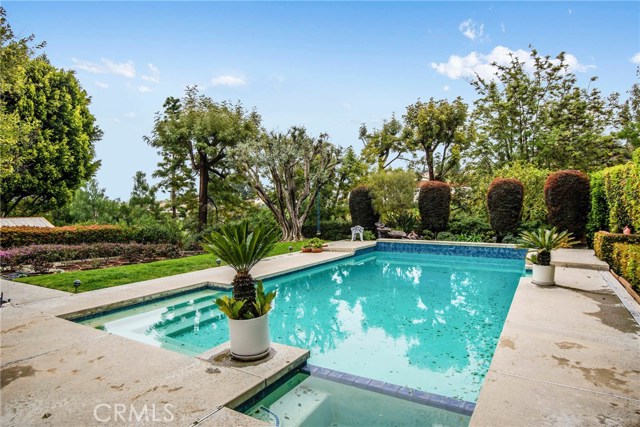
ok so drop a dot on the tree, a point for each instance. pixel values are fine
(350, 172)
(198, 131)
(90, 204)
(629, 117)
(567, 194)
(287, 170)
(47, 132)
(534, 111)
(143, 197)
(393, 192)
(361, 208)
(385, 146)
(439, 130)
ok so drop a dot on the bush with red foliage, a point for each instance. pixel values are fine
(434, 203)
(361, 208)
(504, 201)
(567, 195)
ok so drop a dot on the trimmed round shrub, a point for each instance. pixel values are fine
(361, 208)
(567, 195)
(504, 201)
(434, 203)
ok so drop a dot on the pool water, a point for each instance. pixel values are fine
(428, 322)
(311, 401)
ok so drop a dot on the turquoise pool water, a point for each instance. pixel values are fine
(429, 322)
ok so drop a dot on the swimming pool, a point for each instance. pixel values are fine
(425, 321)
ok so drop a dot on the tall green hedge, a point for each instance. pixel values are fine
(434, 203)
(622, 192)
(599, 214)
(626, 262)
(603, 243)
(504, 201)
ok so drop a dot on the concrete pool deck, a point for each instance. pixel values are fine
(567, 356)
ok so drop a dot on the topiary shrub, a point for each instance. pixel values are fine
(434, 203)
(504, 201)
(361, 208)
(567, 196)
(599, 214)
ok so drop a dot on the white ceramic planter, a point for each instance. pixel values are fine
(249, 338)
(544, 274)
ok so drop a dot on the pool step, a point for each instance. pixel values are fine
(310, 407)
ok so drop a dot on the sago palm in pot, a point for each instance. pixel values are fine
(544, 241)
(242, 248)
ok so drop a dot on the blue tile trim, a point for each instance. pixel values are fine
(457, 250)
(417, 396)
(365, 250)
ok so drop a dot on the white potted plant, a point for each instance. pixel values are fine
(248, 308)
(544, 241)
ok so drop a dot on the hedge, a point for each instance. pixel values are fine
(434, 203)
(599, 214)
(504, 201)
(603, 243)
(42, 257)
(11, 237)
(622, 191)
(567, 196)
(626, 262)
(329, 230)
(361, 209)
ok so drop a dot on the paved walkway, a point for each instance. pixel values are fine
(567, 356)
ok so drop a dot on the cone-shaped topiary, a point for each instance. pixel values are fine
(567, 195)
(504, 201)
(361, 208)
(434, 203)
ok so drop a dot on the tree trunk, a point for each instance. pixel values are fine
(203, 191)
(244, 289)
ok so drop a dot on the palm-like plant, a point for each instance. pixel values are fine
(544, 241)
(242, 249)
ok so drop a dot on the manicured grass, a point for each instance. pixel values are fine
(115, 276)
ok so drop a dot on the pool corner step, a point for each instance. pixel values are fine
(405, 393)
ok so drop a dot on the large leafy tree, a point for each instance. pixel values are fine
(198, 131)
(47, 132)
(383, 146)
(436, 132)
(393, 192)
(629, 117)
(350, 172)
(534, 111)
(288, 170)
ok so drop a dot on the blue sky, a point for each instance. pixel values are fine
(329, 66)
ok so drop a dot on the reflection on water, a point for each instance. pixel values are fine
(427, 322)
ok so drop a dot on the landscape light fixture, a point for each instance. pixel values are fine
(76, 285)
(218, 261)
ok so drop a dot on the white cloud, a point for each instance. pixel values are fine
(503, 27)
(636, 58)
(102, 85)
(460, 67)
(471, 29)
(155, 74)
(231, 81)
(570, 12)
(445, 88)
(126, 69)
(144, 89)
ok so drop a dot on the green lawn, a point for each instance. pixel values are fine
(115, 276)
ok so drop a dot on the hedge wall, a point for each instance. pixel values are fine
(567, 196)
(504, 201)
(626, 262)
(11, 237)
(622, 192)
(603, 243)
(434, 203)
(361, 209)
